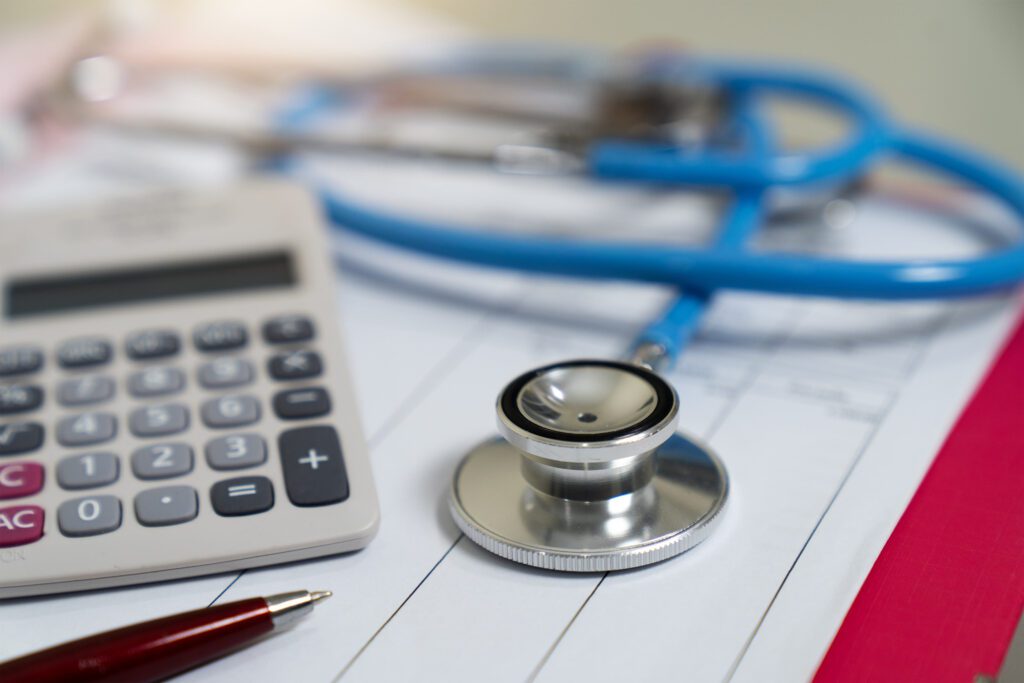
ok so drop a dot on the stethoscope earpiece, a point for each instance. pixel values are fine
(590, 474)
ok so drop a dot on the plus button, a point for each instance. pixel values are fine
(313, 459)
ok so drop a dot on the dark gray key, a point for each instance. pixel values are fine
(295, 365)
(167, 505)
(81, 391)
(236, 452)
(88, 470)
(242, 496)
(225, 372)
(86, 429)
(314, 470)
(89, 516)
(152, 344)
(20, 437)
(287, 329)
(20, 360)
(230, 411)
(156, 381)
(80, 353)
(218, 336)
(19, 398)
(162, 461)
(161, 420)
(296, 404)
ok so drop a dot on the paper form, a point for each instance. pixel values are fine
(826, 415)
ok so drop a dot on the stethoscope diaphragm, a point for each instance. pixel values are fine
(590, 474)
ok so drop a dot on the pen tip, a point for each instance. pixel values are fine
(317, 596)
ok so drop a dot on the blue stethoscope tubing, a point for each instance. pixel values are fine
(697, 273)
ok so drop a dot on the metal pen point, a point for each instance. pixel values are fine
(285, 608)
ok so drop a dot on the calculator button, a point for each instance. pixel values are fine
(169, 418)
(88, 470)
(287, 329)
(156, 381)
(89, 516)
(80, 391)
(236, 452)
(152, 344)
(20, 437)
(20, 524)
(86, 429)
(295, 365)
(80, 353)
(242, 496)
(19, 398)
(20, 479)
(314, 471)
(220, 335)
(166, 505)
(296, 404)
(162, 461)
(230, 411)
(225, 372)
(19, 360)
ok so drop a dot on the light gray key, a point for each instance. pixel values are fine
(88, 470)
(80, 391)
(89, 516)
(162, 461)
(86, 429)
(236, 452)
(166, 505)
(225, 372)
(231, 411)
(156, 381)
(161, 420)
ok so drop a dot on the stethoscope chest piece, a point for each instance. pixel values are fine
(590, 474)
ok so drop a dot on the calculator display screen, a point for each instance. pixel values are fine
(69, 292)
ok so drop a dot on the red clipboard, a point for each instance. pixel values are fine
(944, 596)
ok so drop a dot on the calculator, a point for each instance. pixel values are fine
(174, 398)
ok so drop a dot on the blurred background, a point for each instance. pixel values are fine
(950, 65)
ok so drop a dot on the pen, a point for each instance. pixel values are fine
(155, 650)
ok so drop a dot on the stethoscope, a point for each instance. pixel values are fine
(590, 473)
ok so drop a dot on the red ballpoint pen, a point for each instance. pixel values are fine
(158, 649)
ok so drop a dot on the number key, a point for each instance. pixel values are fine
(161, 420)
(225, 372)
(86, 429)
(162, 461)
(230, 411)
(80, 391)
(87, 471)
(236, 452)
(156, 381)
(89, 516)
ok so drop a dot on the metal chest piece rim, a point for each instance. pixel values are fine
(590, 474)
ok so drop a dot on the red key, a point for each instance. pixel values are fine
(20, 524)
(20, 479)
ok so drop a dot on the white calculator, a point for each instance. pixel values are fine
(174, 399)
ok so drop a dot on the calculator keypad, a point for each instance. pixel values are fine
(310, 456)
